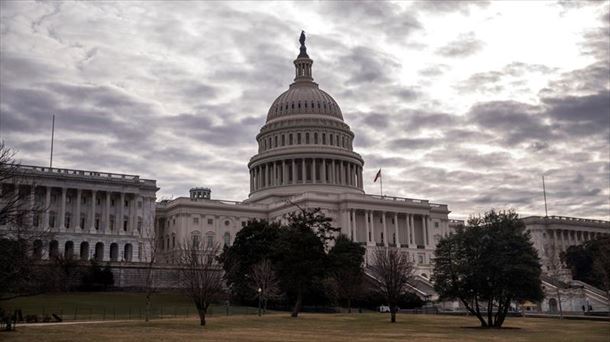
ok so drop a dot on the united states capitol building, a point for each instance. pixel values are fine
(305, 159)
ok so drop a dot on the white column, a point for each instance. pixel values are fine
(354, 229)
(385, 229)
(323, 174)
(367, 224)
(107, 214)
(78, 213)
(284, 173)
(62, 210)
(132, 215)
(294, 172)
(313, 170)
(342, 174)
(92, 214)
(32, 204)
(425, 219)
(396, 230)
(304, 171)
(412, 231)
(121, 214)
(372, 217)
(47, 208)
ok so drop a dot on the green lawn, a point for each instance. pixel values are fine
(111, 305)
(318, 327)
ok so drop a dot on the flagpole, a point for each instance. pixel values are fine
(380, 183)
(52, 138)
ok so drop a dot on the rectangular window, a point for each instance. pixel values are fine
(126, 203)
(196, 220)
(69, 199)
(125, 225)
(67, 221)
(243, 223)
(83, 221)
(97, 223)
(435, 224)
(112, 202)
(275, 141)
(298, 138)
(210, 241)
(290, 139)
(98, 201)
(84, 200)
(210, 221)
(283, 140)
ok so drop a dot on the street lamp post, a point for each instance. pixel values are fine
(259, 300)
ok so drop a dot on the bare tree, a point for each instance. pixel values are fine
(555, 268)
(150, 249)
(20, 241)
(200, 274)
(393, 270)
(264, 282)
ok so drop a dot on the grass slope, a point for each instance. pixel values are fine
(319, 327)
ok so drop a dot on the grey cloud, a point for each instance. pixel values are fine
(464, 45)
(413, 143)
(448, 6)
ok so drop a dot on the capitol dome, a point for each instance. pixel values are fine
(304, 145)
(304, 98)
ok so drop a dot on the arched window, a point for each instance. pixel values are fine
(307, 138)
(283, 140)
(84, 250)
(127, 253)
(298, 138)
(69, 250)
(99, 252)
(315, 138)
(114, 252)
(290, 139)
(53, 249)
(227, 239)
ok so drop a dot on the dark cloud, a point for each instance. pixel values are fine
(177, 92)
(464, 45)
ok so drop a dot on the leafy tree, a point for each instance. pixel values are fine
(393, 270)
(299, 254)
(253, 243)
(587, 262)
(487, 265)
(590, 262)
(346, 258)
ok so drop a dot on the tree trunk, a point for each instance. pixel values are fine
(201, 316)
(297, 305)
(559, 302)
(393, 313)
(147, 308)
(349, 305)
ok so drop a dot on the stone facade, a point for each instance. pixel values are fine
(88, 214)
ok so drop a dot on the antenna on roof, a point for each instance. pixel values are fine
(52, 138)
(546, 212)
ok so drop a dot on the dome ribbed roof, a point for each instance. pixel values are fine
(304, 98)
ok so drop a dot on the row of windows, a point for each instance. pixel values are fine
(195, 238)
(305, 104)
(339, 140)
(83, 221)
(84, 200)
(210, 221)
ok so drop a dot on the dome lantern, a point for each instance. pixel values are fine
(303, 63)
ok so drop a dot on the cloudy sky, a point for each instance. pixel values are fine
(467, 104)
